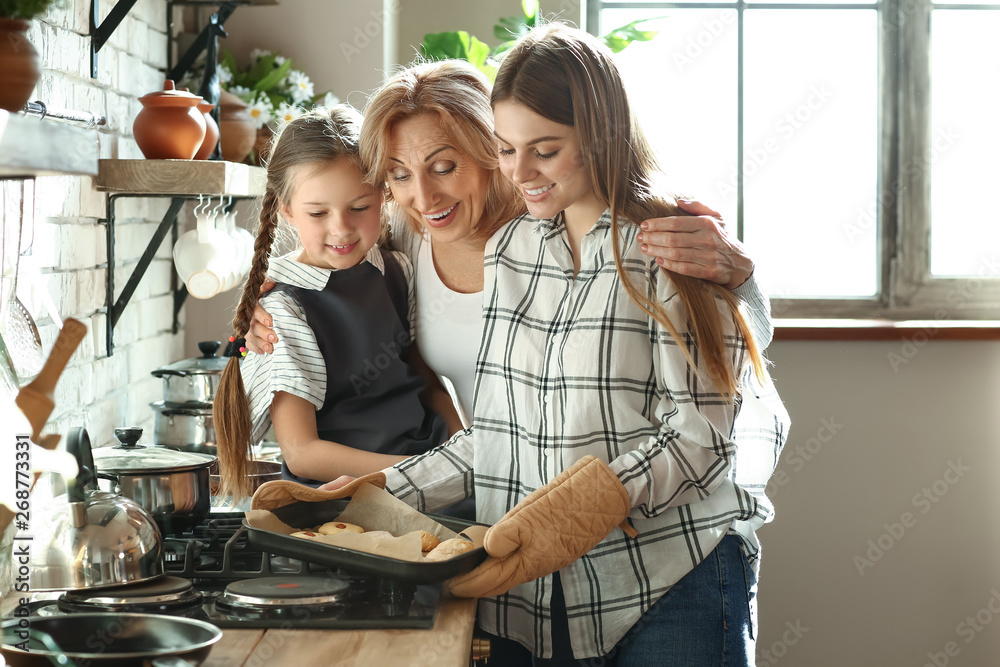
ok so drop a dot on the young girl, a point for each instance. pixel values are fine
(648, 392)
(340, 388)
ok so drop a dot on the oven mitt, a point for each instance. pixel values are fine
(552, 527)
(284, 492)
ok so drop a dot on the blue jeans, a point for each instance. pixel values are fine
(707, 619)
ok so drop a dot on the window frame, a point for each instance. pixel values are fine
(906, 289)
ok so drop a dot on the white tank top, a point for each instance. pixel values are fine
(449, 327)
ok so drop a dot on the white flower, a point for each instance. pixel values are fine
(279, 61)
(288, 112)
(257, 54)
(241, 91)
(261, 112)
(330, 100)
(301, 88)
(225, 76)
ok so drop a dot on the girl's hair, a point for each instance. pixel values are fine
(459, 95)
(317, 137)
(568, 76)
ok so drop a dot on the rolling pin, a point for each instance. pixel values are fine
(36, 399)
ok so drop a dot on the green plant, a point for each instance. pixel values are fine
(463, 46)
(271, 86)
(24, 9)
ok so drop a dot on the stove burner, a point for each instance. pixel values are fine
(276, 592)
(160, 594)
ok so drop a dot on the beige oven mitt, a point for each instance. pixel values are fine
(552, 527)
(285, 492)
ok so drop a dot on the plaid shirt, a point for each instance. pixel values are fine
(570, 366)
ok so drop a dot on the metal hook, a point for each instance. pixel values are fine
(198, 207)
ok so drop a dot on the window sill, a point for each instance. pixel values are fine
(885, 330)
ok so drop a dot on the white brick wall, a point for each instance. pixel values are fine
(68, 255)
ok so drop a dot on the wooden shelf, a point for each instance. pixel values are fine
(180, 177)
(31, 147)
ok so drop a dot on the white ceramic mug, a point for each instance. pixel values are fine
(242, 241)
(204, 258)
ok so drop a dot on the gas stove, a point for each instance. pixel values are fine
(214, 574)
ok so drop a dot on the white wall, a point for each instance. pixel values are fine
(891, 433)
(65, 250)
(338, 44)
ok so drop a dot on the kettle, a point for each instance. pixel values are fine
(98, 539)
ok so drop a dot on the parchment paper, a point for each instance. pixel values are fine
(372, 509)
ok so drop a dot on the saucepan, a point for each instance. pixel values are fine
(171, 485)
(107, 640)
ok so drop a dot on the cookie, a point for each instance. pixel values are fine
(456, 546)
(428, 541)
(307, 534)
(334, 527)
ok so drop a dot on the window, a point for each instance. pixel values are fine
(861, 189)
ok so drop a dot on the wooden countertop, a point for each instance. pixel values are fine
(447, 644)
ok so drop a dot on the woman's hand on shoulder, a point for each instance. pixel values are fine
(261, 337)
(697, 245)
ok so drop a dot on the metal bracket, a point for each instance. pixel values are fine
(169, 222)
(101, 33)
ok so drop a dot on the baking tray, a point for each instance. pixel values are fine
(305, 515)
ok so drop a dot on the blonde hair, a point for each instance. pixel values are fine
(568, 76)
(318, 137)
(459, 95)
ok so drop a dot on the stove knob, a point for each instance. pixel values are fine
(480, 650)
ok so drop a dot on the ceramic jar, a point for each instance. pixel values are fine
(19, 70)
(169, 127)
(211, 132)
(238, 129)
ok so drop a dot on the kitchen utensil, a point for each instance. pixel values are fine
(260, 472)
(305, 515)
(169, 484)
(21, 335)
(189, 429)
(36, 399)
(111, 640)
(97, 539)
(169, 127)
(242, 244)
(192, 382)
(203, 256)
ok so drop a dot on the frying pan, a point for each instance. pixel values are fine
(109, 640)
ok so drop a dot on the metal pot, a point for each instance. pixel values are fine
(169, 484)
(188, 428)
(260, 472)
(98, 539)
(193, 381)
(105, 640)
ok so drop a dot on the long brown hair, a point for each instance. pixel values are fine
(459, 95)
(568, 76)
(317, 137)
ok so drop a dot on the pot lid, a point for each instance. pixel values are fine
(209, 363)
(170, 97)
(130, 457)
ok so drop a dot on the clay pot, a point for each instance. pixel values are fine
(238, 129)
(262, 145)
(211, 132)
(169, 127)
(19, 70)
